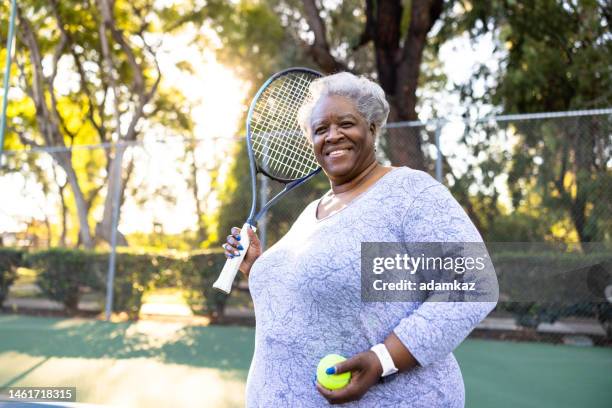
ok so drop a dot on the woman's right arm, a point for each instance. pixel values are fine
(232, 247)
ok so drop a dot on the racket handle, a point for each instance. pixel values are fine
(230, 269)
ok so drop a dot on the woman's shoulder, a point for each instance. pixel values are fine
(411, 181)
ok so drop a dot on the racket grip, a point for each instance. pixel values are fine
(230, 269)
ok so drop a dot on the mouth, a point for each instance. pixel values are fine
(337, 152)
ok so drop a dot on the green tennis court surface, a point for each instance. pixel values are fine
(151, 364)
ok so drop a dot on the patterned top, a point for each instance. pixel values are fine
(306, 291)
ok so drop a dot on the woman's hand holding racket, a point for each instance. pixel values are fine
(233, 247)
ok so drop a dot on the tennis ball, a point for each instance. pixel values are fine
(332, 381)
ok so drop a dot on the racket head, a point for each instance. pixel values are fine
(276, 143)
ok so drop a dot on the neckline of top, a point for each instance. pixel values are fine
(354, 200)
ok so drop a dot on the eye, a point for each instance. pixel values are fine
(320, 129)
(346, 124)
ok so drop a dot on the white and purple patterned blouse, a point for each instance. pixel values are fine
(307, 297)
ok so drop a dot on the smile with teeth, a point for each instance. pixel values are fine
(339, 152)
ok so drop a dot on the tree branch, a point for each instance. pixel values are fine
(109, 22)
(368, 31)
(23, 138)
(45, 121)
(319, 50)
(91, 111)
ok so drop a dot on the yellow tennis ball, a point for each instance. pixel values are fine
(332, 381)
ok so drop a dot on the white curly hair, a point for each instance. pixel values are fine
(368, 97)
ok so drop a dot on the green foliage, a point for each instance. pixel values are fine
(561, 277)
(234, 196)
(10, 260)
(555, 57)
(197, 277)
(90, 96)
(63, 274)
(135, 273)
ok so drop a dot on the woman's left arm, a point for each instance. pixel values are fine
(436, 328)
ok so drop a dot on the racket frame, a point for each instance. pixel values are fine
(255, 168)
(230, 269)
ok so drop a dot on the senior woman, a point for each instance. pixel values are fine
(306, 288)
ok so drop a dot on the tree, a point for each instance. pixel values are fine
(385, 40)
(107, 47)
(264, 36)
(557, 58)
(398, 31)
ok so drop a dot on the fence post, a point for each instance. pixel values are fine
(439, 124)
(116, 177)
(10, 39)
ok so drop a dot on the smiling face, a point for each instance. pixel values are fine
(343, 140)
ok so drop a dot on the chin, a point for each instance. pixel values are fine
(339, 170)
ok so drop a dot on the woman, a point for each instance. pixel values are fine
(306, 287)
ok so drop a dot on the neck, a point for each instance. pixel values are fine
(346, 186)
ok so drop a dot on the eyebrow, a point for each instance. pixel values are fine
(317, 122)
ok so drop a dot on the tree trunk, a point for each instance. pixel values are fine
(398, 65)
(63, 160)
(104, 227)
(49, 126)
(141, 95)
(202, 234)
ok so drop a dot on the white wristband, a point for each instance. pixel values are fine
(385, 359)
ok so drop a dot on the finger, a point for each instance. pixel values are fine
(324, 391)
(235, 231)
(345, 394)
(352, 364)
(253, 236)
(230, 251)
(233, 242)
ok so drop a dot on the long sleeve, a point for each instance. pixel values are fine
(436, 328)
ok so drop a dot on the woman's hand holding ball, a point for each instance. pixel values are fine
(365, 371)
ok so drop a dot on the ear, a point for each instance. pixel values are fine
(373, 129)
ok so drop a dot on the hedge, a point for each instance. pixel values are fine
(560, 284)
(10, 260)
(65, 274)
(198, 275)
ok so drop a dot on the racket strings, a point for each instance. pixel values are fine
(280, 147)
(281, 115)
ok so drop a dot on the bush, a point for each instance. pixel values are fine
(134, 274)
(10, 259)
(197, 277)
(64, 273)
(575, 281)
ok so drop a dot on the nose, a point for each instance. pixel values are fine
(334, 134)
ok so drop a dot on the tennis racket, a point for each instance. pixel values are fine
(277, 148)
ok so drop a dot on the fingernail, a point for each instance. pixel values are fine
(238, 238)
(231, 256)
(236, 253)
(331, 370)
(240, 247)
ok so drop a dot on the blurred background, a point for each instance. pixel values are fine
(124, 166)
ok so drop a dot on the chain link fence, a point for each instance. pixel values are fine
(520, 178)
